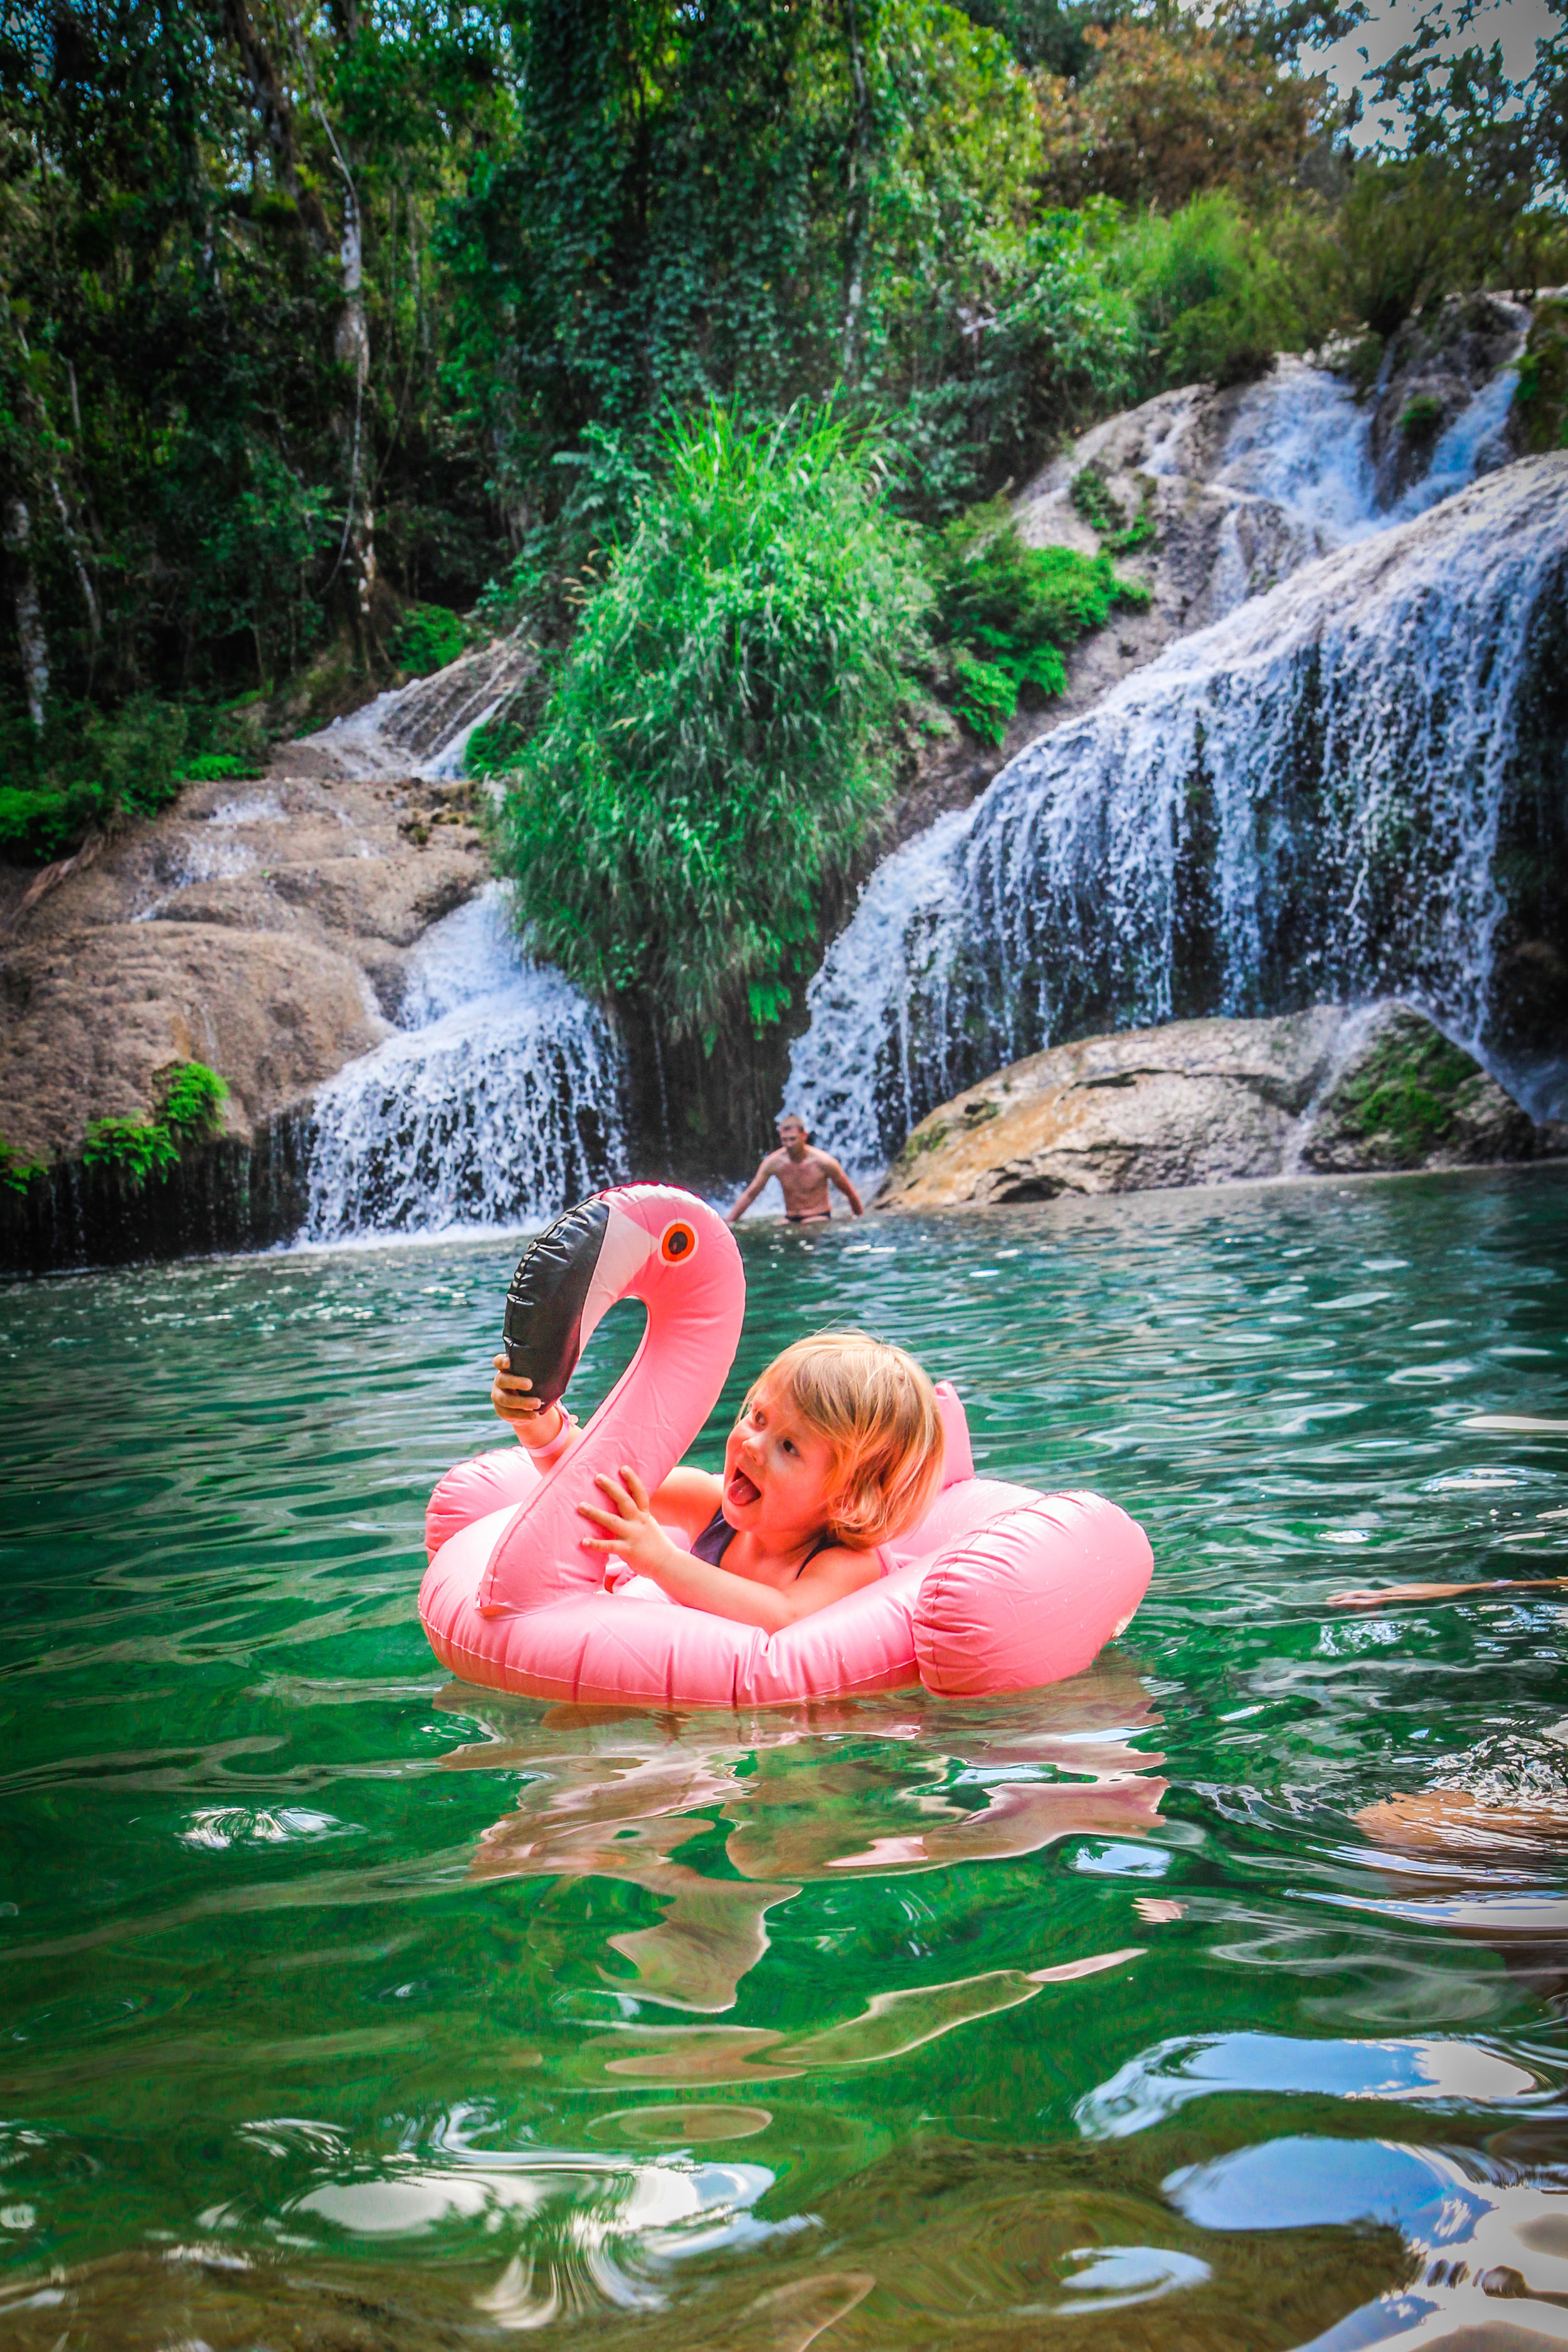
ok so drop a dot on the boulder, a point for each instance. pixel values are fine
(1326, 1091)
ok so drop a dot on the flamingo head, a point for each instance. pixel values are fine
(652, 1242)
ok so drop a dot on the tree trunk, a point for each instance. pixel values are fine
(352, 345)
(276, 122)
(16, 535)
(860, 194)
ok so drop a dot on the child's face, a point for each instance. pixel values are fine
(778, 1471)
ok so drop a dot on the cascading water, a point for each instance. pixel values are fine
(1312, 799)
(499, 1100)
(423, 729)
(499, 1104)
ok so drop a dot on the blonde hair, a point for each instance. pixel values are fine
(878, 1413)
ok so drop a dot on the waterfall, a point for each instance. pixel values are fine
(499, 1103)
(423, 729)
(1314, 798)
(499, 1100)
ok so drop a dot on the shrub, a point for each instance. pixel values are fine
(1092, 496)
(190, 1102)
(1422, 417)
(1542, 401)
(427, 637)
(716, 743)
(133, 1149)
(17, 1171)
(1213, 297)
(1007, 610)
(87, 768)
(192, 1098)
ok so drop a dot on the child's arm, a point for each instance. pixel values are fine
(758, 1184)
(687, 1498)
(534, 1424)
(631, 1530)
(836, 1176)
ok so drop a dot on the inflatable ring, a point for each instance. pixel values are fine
(997, 1588)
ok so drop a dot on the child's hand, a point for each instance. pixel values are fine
(512, 1398)
(628, 1523)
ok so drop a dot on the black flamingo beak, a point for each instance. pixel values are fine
(543, 1330)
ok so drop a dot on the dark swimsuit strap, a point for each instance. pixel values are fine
(719, 1535)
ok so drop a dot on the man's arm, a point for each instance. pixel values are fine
(757, 1184)
(836, 1176)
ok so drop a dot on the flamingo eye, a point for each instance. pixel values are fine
(678, 1242)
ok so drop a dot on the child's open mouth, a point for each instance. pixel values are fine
(742, 1490)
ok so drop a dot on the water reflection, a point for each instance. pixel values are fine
(496, 2031)
(793, 1796)
(1488, 2244)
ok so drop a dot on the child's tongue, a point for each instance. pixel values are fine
(741, 1489)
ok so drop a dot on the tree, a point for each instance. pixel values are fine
(1172, 109)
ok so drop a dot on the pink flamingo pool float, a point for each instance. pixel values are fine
(999, 1588)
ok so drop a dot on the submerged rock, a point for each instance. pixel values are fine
(1211, 1102)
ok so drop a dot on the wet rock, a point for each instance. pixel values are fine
(1404, 1097)
(1208, 1102)
(260, 928)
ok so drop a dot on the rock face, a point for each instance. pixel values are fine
(1207, 1102)
(260, 928)
(1235, 489)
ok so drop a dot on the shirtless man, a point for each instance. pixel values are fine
(804, 1173)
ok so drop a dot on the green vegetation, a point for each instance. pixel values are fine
(190, 1099)
(1542, 393)
(17, 1171)
(427, 639)
(1092, 496)
(88, 769)
(1403, 1094)
(131, 1148)
(1004, 612)
(718, 742)
(321, 328)
(1422, 417)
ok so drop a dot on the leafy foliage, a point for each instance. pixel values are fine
(17, 1171)
(191, 1099)
(427, 637)
(1104, 512)
(131, 1148)
(1544, 380)
(1165, 110)
(1007, 611)
(976, 228)
(190, 1104)
(88, 769)
(716, 745)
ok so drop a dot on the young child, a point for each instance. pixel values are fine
(804, 1174)
(838, 1449)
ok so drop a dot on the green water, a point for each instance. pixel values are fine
(340, 2004)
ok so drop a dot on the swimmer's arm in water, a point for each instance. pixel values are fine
(1371, 1599)
(759, 1183)
(834, 1175)
(687, 1498)
(631, 1530)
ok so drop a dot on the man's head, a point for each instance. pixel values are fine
(794, 1134)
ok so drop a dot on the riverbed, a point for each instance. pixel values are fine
(342, 2003)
